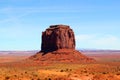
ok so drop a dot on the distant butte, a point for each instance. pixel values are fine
(58, 45)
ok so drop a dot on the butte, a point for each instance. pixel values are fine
(58, 45)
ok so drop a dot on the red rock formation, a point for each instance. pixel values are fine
(58, 45)
(62, 55)
(57, 37)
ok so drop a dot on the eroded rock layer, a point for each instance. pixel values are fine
(57, 37)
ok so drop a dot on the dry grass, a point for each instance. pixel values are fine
(27, 70)
(93, 71)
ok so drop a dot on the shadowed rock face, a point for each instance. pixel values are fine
(57, 37)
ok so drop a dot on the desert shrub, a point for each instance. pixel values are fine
(85, 71)
(104, 72)
(61, 70)
(15, 75)
(7, 77)
(38, 79)
(118, 74)
(21, 73)
(69, 74)
(93, 73)
(67, 69)
(25, 72)
(35, 75)
(49, 79)
(70, 69)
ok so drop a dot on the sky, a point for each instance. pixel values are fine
(96, 23)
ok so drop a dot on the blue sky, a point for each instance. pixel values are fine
(96, 23)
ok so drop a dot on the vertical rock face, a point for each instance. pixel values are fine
(57, 37)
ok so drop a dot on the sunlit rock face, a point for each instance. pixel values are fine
(57, 37)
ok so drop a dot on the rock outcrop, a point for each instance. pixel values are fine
(57, 37)
(58, 45)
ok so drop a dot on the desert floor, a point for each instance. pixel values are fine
(13, 66)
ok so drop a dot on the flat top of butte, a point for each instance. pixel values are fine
(59, 26)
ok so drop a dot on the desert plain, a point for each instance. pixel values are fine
(14, 65)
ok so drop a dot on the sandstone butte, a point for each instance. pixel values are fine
(58, 45)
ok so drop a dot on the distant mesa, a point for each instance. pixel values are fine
(58, 45)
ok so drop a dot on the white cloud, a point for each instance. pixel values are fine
(107, 40)
(83, 37)
(98, 41)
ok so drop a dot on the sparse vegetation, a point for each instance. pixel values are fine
(59, 71)
(7, 77)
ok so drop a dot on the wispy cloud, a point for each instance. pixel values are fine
(11, 14)
(107, 40)
(84, 37)
(38, 9)
(98, 42)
